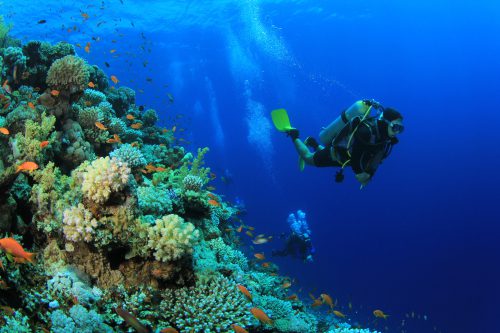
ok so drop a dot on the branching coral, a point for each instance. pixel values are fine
(103, 177)
(170, 238)
(130, 155)
(69, 74)
(79, 224)
(212, 306)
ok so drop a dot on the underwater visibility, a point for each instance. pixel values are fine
(256, 166)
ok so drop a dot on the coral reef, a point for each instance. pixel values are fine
(68, 74)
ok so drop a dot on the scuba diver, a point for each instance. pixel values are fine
(355, 138)
(298, 243)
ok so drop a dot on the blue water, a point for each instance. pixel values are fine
(422, 237)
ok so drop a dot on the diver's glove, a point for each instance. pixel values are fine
(374, 104)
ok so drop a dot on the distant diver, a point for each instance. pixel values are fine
(298, 243)
(354, 138)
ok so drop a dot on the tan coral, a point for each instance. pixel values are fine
(68, 74)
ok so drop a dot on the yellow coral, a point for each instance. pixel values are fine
(69, 73)
(171, 238)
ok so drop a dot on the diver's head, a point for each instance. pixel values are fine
(393, 121)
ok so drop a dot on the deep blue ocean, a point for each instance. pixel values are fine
(422, 240)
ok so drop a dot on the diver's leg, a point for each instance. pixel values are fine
(303, 151)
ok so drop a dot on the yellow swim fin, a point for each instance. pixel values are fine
(281, 120)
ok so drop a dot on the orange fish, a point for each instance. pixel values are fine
(31, 105)
(293, 297)
(169, 330)
(91, 84)
(317, 302)
(338, 314)
(380, 314)
(240, 228)
(245, 292)
(114, 79)
(266, 264)
(100, 126)
(12, 247)
(160, 169)
(54, 92)
(327, 299)
(87, 47)
(6, 86)
(238, 329)
(136, 125)
(286, 285)
(135, 144)
(261, 316)
(27, 166)
(44, 144)
(260, 256)
(85, 16)
(4, 131)
(132, 321)
(130, 117)
(112, 51)
(213, 203)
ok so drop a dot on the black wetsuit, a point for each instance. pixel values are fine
(296, 246)
(369, 145)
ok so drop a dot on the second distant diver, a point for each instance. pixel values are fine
(355, 138)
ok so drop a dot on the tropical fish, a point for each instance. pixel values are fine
(6, 86)
(380, 314)
(130, 117)
(249, 233)
(100, 126)
(169, 330)
(261, 316)
(266, 264)
(260, 240)
(91, 84)
(286, 285)
(114, 79)
(327, 299)
(27, 166)
(31, 105)
(132, 321)
(44, 144)
(238, 329)
(245, 292)
(338, 314)
(136, 125)
(85, 16)
(87, 47)
(54, 92)
(107, 64)
(13, 248)
(260, 256)
(293, 297)
(4, 131)
(317, 302)
(42, 21)
(112, 51)
(213, 203)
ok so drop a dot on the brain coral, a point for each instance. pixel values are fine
(211, 306)
(171, 238)
(68, 74)
(103, 177)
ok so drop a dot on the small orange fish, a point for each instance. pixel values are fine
(4, 131)
(100, 126)
(286, 285)
(169, 330)
(27, 166)
(240, 228)
(54, 92)
(114, 79)
(260, 256)
(85, 16)
(91, 84)
(238, 329)
(136, 125)
(164, 130)
(245, 292)
(44, 144)
(135, 144)
(12, 247)
(213, 203)
(293, 297)
(160, 169)
(338, 314)
(130, 117)
(380, 314)
(6, 86)
(87, 47)
(266, 264)
(317, 302)
(327, 299)
(261, 316)
(31, 105)
(112, 51)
